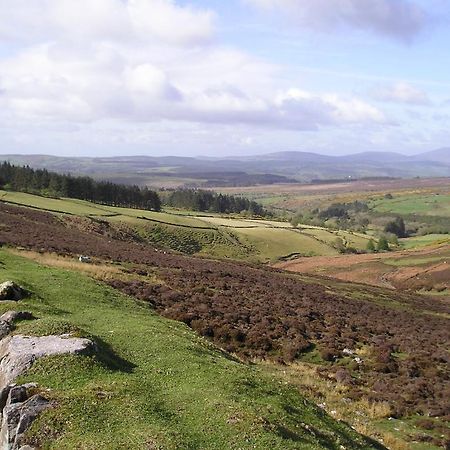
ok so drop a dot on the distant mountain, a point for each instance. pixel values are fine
(278, 167)
(440, 155)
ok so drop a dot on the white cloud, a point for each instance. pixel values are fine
(146, 64)
(399, 19)
(119, 20)
(401, 92)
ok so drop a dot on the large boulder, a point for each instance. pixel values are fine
(17, 353)
(11, 291)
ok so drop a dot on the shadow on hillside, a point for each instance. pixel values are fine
(106, 356)
(321, 437)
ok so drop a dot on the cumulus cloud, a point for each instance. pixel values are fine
(400, 92)
(147, 61)
(119, 20)
(399, 19)
(105, 84)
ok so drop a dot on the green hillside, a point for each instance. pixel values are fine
(211, 235)
(154, 383)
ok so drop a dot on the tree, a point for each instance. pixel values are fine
(370, 246)
(397, 227)
(383, 244)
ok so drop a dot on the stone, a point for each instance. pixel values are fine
(12, 316)
(5, 329)
(17, 418)
(11, 291)
(17, 394)
(17, 353)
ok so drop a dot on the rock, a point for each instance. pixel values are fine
(17, 353)
(343, 377)
(11, 291)
(12, 316)
(5, 329)
(17, 418)
(17, 394)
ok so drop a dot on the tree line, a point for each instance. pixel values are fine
(52, 184)
(43, 182)
(208, 201)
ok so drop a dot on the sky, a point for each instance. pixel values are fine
(223, 77)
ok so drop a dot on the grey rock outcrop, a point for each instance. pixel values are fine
(19, 408)
(8, 318)
(18, 414)
(12, 316)
(11, 291)
(18, 353)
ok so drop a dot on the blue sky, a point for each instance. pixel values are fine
(159, 77)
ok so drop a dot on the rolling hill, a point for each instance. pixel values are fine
(280, 167)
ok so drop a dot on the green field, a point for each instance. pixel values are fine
(428, 205)
(153, 383)
(210, 235)
(275, 242)
(424, 241)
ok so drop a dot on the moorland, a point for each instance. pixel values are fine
(181, 302)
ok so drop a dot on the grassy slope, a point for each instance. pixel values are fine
(257, 240)
(430, 205)
(157, 385)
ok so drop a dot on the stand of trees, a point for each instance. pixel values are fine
(201, 200)
(43, 182)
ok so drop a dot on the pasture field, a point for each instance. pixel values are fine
(429, 205)
(68, 206)
(424, 241)
(273, 242)
(425, 269)
(213, 235)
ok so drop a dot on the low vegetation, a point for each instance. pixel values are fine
(153, 383)
(261, 313)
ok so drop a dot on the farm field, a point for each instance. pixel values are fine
(249, 311)
(214, 235)
(430, 205)
(299, 195)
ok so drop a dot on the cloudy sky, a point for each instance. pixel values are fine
(215, 77)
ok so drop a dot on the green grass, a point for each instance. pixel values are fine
(428, 204)
(273, 243)
(213, 235)
(424, 241)
(64, 205)
(154, 383)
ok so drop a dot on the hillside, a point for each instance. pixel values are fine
(202, 234)
(153, 383)
(271, 168)
(259, 313)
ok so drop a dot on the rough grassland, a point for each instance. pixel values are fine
(430, 205)
(155, 384)
(224, 237)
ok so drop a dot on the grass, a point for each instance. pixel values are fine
(272, 243)
(213, 235)
(370, 418)
(424, 241)
(154, 383)
(427, 204)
